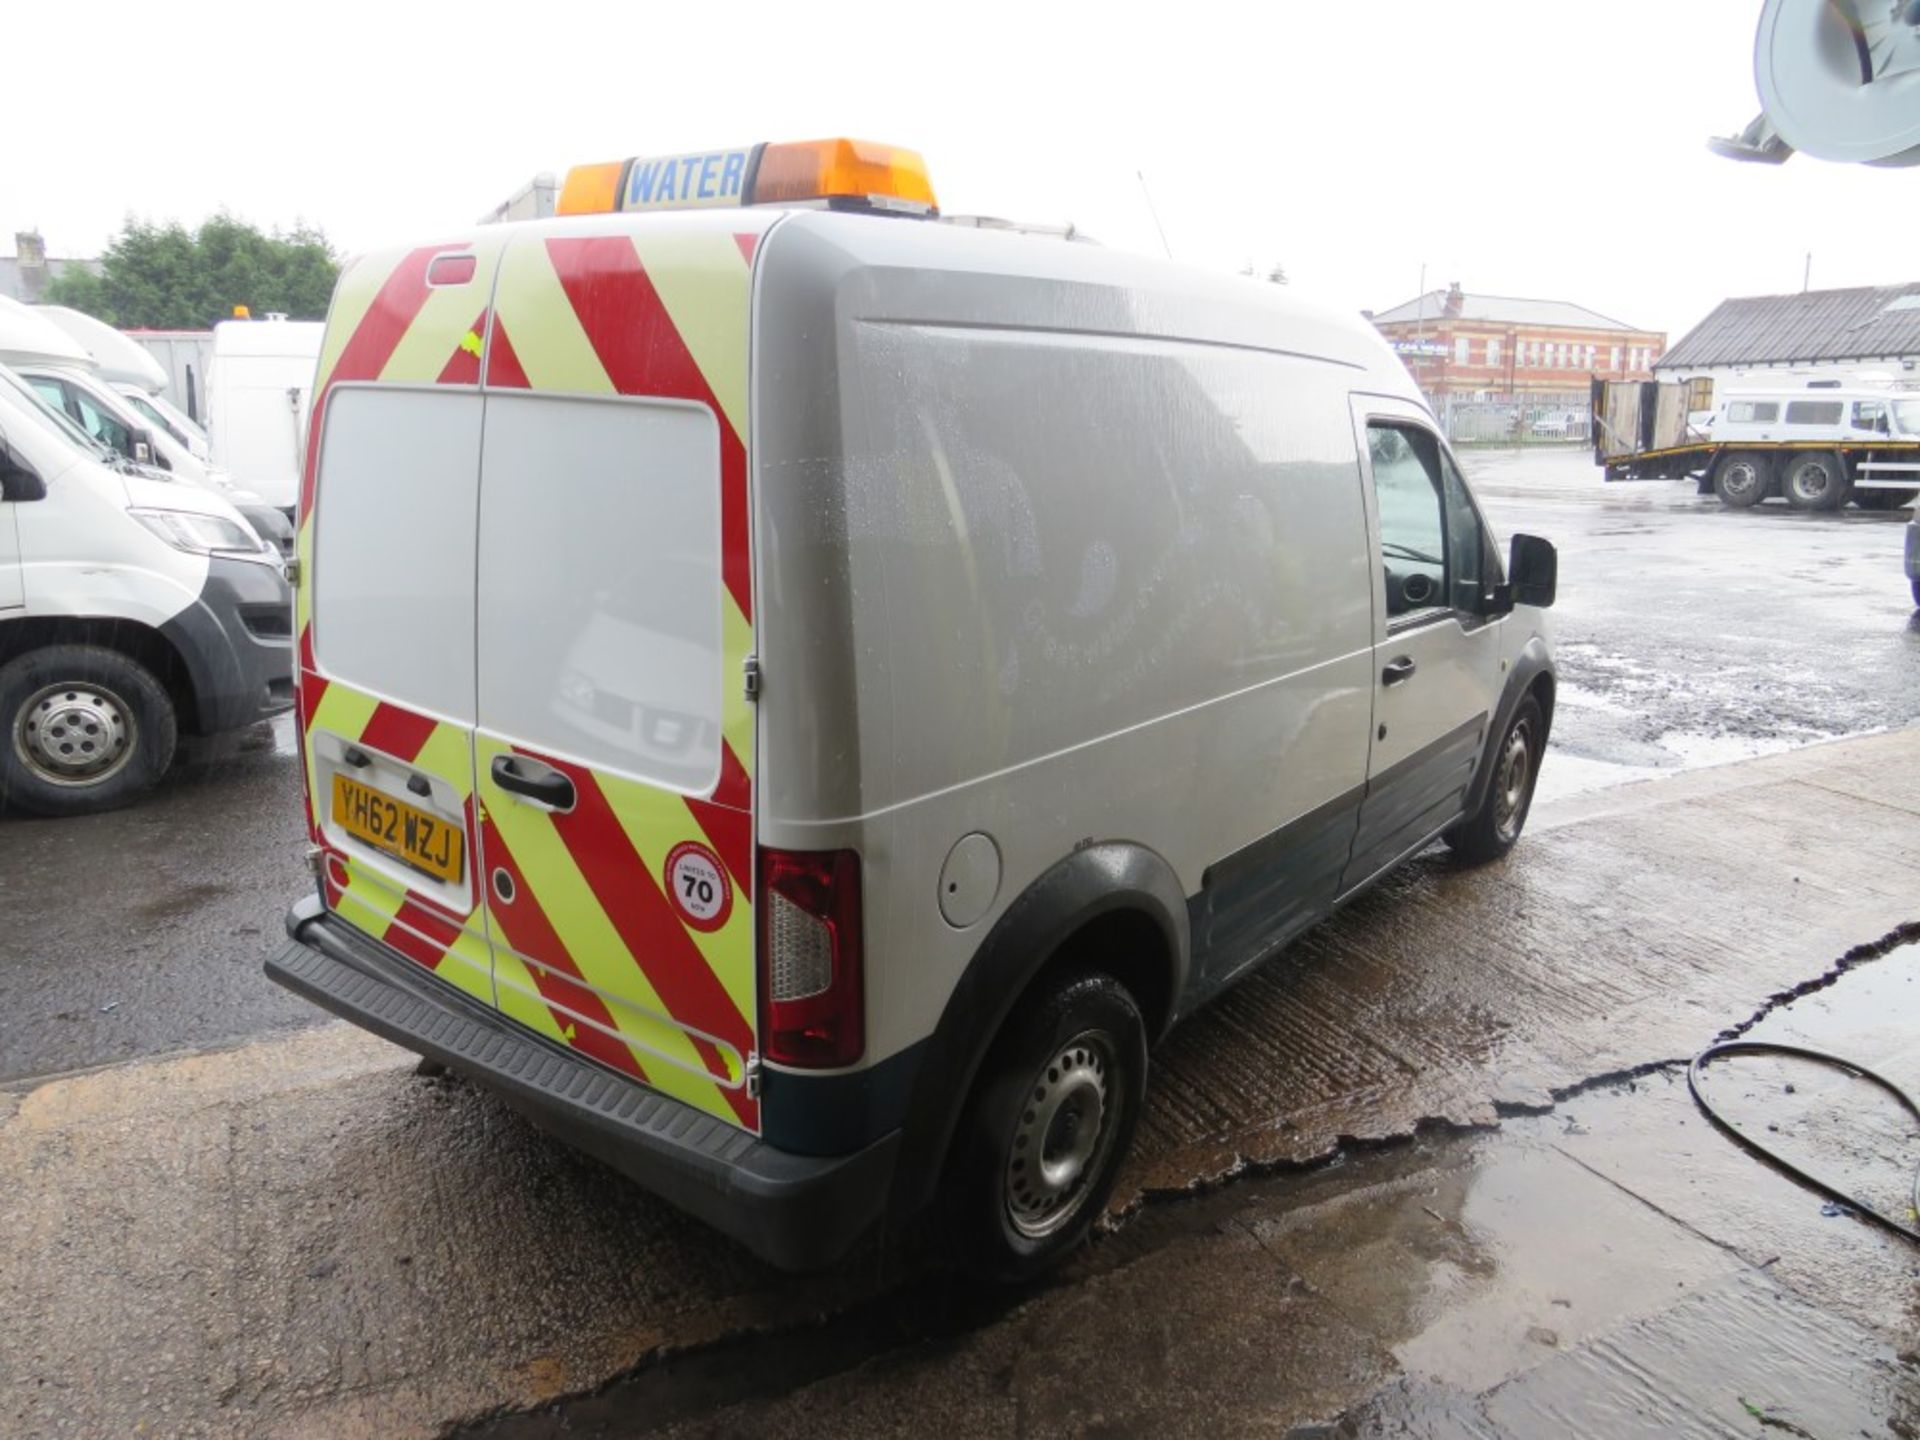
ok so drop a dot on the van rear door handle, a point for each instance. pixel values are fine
(534, 779)
(1397, 670)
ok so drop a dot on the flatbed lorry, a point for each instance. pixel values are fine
(1815, 443)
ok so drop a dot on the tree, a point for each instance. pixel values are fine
(166, 277)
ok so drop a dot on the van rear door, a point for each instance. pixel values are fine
(614, 744)
(384, 608)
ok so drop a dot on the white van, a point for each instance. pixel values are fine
(115, 420)
(169, 417)
(257, 400)
(132, 608)
(800, 696)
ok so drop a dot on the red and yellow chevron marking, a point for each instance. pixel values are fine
(452, 945)
(591, 950)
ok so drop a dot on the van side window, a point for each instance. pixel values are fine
(1752, 412)
(103, 426)
(1413, 530)
(1870, 415)
(1466, 541)
(1815, 412)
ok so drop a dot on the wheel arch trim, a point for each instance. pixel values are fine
(1098, 879)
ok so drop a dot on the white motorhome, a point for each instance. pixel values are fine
(132, 609)
(257, 399)
(803, 695)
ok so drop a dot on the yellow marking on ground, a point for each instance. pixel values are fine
(531, 305)
(703, 281)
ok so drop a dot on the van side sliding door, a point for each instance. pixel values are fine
(1436, 656)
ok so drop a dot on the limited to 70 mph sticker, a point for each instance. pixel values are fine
(698, 883)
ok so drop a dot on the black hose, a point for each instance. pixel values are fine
(1764, 1047)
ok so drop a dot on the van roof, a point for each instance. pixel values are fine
(1168, 300)
(298, 338)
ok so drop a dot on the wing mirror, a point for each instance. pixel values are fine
(1533, 571)
(18, 479)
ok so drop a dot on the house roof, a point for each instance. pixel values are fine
(1505, 310)
(31, 288)
(1862, 324)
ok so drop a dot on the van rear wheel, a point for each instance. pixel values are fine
(86, 729)
(1050, 1123)
(1816, 482)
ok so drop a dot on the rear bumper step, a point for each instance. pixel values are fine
(798, 1212)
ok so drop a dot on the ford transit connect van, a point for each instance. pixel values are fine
(799, 696)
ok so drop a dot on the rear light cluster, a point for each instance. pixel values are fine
(810, 962)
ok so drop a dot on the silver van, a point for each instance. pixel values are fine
(800, 695)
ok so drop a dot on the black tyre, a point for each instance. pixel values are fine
(1494, 829)
(1742, 479)
(1816, 481)
(1915, 585)
(82, 729)
(1883, 499)
(1051, 1120)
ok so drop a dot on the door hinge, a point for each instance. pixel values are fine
(317, 862)
(290, 567)
(753, 1075)
(750, 676)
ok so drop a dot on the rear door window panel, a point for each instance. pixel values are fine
(600, 603)
(393, 565)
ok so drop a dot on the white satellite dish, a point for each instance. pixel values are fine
(1839, 79)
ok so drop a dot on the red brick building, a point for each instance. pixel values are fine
(1464, 347)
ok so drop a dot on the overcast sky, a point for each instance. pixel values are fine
(1521, 147)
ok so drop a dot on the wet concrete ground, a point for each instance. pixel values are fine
(302, 1237)
(1610, 1269)
(1689, 634)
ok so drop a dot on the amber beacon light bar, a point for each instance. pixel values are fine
(834, 174)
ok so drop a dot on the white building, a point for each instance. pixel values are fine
(1870, 331)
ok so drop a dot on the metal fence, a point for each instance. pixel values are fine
(1519, 421)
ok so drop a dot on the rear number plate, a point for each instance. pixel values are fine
(407, 833)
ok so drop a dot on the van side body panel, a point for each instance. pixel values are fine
(1064, 547)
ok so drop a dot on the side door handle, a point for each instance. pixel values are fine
(1397, 671)
(535, 780)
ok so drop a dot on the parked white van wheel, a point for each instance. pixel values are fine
(87, 729)
(1818, 481)
(1494, 829)
(1052, 1120)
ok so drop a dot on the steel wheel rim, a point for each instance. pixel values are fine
(1513, 783)
(1062, 1136)
(1812, 480)
(1740, 478)
(75, 734)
